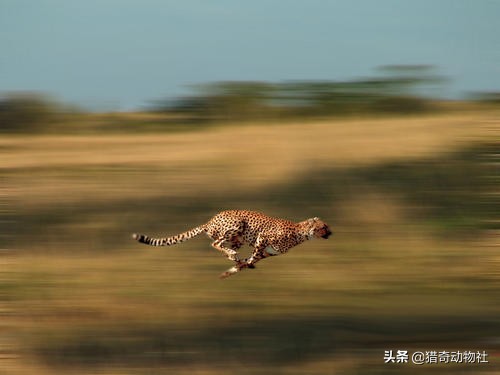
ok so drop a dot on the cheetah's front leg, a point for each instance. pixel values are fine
(258, 255)
(235, 269)
(231, 271)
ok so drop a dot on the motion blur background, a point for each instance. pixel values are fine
(382, 118)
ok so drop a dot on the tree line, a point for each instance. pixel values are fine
(395, 89)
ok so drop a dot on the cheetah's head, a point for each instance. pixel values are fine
(318, 228)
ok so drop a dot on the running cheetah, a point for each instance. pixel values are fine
(268, 236)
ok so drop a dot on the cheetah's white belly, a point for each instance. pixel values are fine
(272, 251)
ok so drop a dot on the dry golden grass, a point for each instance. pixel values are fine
(79, 297)
(242, 158)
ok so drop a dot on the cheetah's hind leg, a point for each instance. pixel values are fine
(230, 253)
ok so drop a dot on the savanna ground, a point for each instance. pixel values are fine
(413, 263)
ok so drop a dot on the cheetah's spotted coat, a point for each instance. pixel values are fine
(231, 229)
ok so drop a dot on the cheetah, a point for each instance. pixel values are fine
(229, 230)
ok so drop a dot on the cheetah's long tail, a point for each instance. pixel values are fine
(168, 241)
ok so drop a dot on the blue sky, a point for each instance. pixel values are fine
(121, 54)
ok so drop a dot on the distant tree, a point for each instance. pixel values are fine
(399, 89)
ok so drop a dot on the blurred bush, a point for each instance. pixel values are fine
(486, 97)
(27, 112)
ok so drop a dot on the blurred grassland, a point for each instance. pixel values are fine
(413, 263)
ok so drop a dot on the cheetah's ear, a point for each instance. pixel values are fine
(312, 220)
